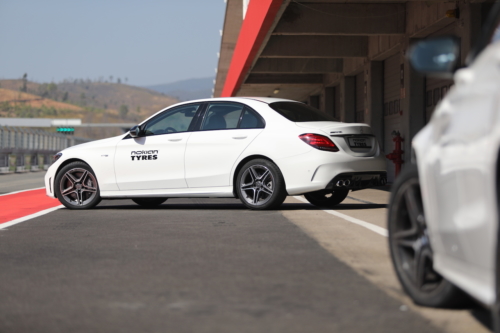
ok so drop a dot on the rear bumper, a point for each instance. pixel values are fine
(315, 170)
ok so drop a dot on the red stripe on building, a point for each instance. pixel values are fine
(258, 20)
(17, 205)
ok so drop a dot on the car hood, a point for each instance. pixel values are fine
(336, 128)
(97, 143)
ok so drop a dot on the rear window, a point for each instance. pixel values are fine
(299, 112)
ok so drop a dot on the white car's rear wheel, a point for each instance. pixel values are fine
(411, 251)
(76, 186)
(260, 185)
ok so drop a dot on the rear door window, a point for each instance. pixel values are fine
(250, 119)
(222, 116)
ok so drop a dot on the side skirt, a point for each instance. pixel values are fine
(206, 192)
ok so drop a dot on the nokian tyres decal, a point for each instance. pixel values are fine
(144, 155)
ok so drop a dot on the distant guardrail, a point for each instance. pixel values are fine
(25, 149)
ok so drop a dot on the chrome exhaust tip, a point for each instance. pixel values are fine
(340, 183)
(347, 182)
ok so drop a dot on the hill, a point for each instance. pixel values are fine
(17, 98)
(131, 103)
(186, 90)
(93, 102)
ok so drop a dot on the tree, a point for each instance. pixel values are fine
(65, 96)
(24, 87)
(52, 89)
(123, 110)
(118, 80)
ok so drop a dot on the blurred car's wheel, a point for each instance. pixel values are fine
(76, 186)
(260, 185)
(149, 202)
(326, 198)
(410, 248)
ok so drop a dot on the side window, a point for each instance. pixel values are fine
(251, 120)
(222, 116)
(172, 121)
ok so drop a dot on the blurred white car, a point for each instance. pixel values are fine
(443, 213)
(257, 149)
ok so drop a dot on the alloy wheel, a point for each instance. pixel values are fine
(78, 187)
(257, 185)
(410, 239)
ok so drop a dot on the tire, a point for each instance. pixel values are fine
(149, 202)
(260, 185)
(411, 251)
(76, 186)
(326, 198)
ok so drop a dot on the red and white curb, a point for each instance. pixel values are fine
(21, 206)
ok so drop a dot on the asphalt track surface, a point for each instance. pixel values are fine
(191, 265)
(21, 181)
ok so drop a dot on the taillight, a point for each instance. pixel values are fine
(320, 142)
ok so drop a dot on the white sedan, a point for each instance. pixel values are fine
(443, 215)
(256, 149)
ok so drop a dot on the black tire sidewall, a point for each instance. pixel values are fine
(279, 192)
(446, 295)
(58, 179)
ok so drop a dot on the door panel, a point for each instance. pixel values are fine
(211, 155)
(156, 160)
(464, 122)
(151, 162)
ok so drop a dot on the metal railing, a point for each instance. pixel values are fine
(26, 149)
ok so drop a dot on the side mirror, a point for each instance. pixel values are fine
(135, 131)
(438, 56)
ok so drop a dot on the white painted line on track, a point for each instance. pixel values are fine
(31, 189)
(375, 228)
(29, 217)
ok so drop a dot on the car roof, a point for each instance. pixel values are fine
(266, 100)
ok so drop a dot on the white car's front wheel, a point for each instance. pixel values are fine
(76, 186)
(260, 185)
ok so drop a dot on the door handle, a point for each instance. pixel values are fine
(175, 139)
(239, 137)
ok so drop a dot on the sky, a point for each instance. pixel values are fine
(147, 41)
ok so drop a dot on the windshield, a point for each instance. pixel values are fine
(299, 112)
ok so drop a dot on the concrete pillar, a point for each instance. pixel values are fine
(413, 99)
(349, 111)
(375, 115)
